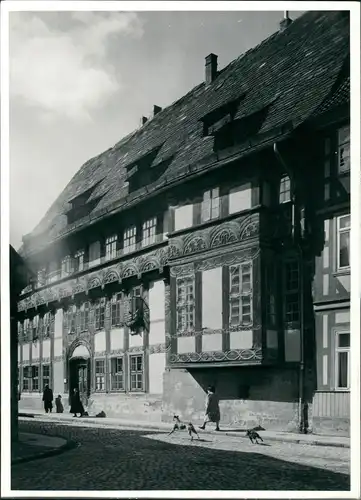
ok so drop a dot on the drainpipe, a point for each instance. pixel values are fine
(301, 389)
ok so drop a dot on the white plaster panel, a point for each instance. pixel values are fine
(243, 339)
(94, 254)
(58, 380)
(326, 227)
(212, 342)
(342, 317)
(99, 342)
(326, 284)
(186, 344)
(117, 338)
(46, 348)
(58, 325)
(157, 332)
(58, 347)
(292, 345)
(19, 352)
(26, 350)
(345, 282)
(212, 298)
(272, 339)
(35, 351)
(183, 217)
(326, 257)
(240, 198)
(324, 369)
(325, 331)
(156, 371)
(136, 340)
(156, 301)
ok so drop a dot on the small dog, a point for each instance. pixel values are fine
(253, 436)
(180, 426)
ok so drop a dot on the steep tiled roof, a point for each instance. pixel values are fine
(292, 73)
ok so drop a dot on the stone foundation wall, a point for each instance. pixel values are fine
(272, 399)
(147, 407)
(331, 426)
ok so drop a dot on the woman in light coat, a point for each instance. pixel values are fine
(212, 413)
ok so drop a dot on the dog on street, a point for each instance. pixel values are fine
(180, 426)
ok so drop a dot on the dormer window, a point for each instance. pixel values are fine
(82, 205)
(343, 150)
(111, 247)
(285, 189)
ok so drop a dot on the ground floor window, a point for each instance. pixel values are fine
(46, 375)
(26, 378)
(116, 374)
(99, 374)
(136, 373)
(342, 358)
(35, 378)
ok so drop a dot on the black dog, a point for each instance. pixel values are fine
(180, 426)
(253, 436)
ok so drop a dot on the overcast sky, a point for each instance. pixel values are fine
(79, 82)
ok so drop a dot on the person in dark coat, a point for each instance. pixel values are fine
(212, 413)
(48, 399)
(76, 405)
(59, 405)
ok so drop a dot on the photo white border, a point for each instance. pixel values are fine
(354, 8)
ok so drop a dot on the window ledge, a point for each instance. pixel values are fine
(342, 272)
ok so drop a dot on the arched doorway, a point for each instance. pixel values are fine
(79, 372)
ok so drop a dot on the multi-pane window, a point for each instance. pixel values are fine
(26, 378)
(149, 231)
(285, 189)
(35, 328)
(99, 374)
(116, 374)
(84, 317)
(99, 314)
(291, 291)
(35, 378)
(130, 239)
(136, 373)
(70, 319)
(66, 267)
(111, 247)
(343, 241)
(240, 297)
(271, 295)
(117, 309)
(210, 205)
(46, 375)
(41, 278)
(48, 324)
(342, 358)
(26, 330)
(343, 150)
(79, 261)
(185, 303)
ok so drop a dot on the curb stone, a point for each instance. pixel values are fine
(69, 445)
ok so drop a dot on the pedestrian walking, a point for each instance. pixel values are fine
(76, 405)
(48, 399)
(212, 413)
(59, 404)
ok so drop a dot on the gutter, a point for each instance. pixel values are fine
(301, 389)
(281, 133)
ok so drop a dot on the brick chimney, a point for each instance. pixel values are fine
(156, 109)
(286, 21)
(211, 68)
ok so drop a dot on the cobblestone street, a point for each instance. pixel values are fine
(114, 459)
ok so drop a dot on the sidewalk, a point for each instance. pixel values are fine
(32, 446)
(286, 437)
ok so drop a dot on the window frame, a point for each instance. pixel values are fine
(291, 292)
(341, 145)
(130, 235)
(337, 351)
(340, 231)
(238, 296)
(147, 228)
(66, 266)
(26, 369)
(101, 375)
(35, 378)
(79, 258)
(84, 317)
(99, 322)
(111, 243)
(185, 308)
(43, 378)
(285, 182)
(114, 374)
(117, 305)
(211, 204)
(136, 373)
